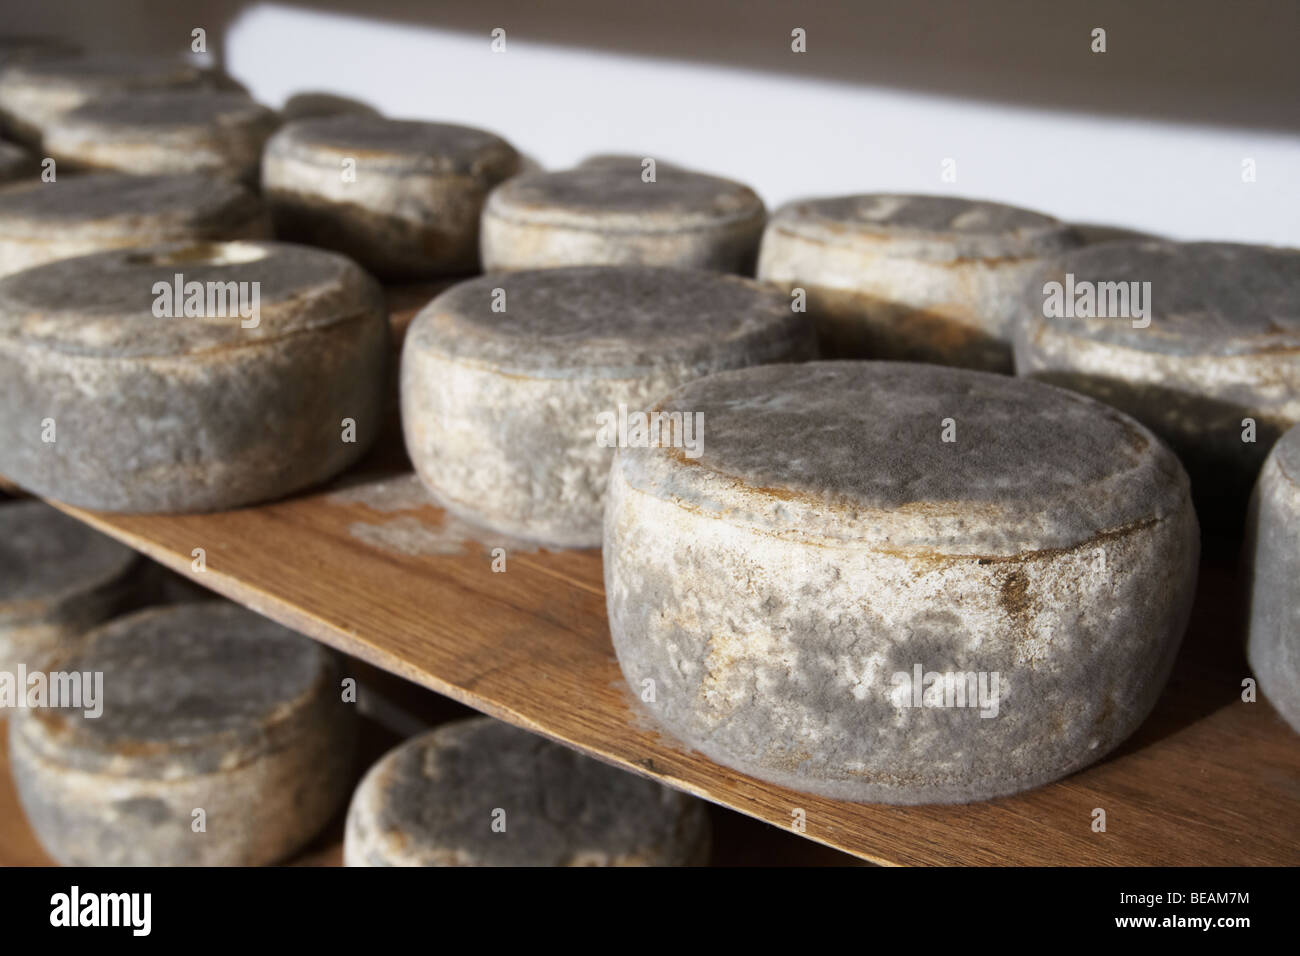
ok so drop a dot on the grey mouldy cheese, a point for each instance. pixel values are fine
(189, 377)
(1273, 550)
(1199, 341)
(221, 740)
(35, 91)
(58, 579)
(176, 131)
(479, 792)
(516, 388)
(604, 212)
(916, 278)
(42, 222)
(899, 583)
(403, 198)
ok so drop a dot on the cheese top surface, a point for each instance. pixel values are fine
(606, 321)
(608, 193)
(44, 555)
(1202, 298)
(115, 204)
(939, 227)
(183, 298)
(854, 452)
(200, 687)
(397, 146)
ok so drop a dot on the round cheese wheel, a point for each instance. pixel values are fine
(1191, 339)
(516, 388)
(919, 278)
(58, 579)
(482, 793)
(188, 377)
(604, 212)
(1274, 550)
(34, 91)
(42, 222)
(223, 740)
(403, 198)
(899, 583)
(174, 131)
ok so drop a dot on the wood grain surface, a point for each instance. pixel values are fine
(384, 576)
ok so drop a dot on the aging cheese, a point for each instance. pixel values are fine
(42, 222)
(916, 278)
(223, 741)
(1274, 551)
(517, 388)
(35, 91)
(188, 131)
(189, 377)
(482, 793)
(403, 198)
(1199, 341)
(58, 579)
(605, 212)
(899, 583)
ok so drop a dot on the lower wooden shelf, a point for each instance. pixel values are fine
(369, 566)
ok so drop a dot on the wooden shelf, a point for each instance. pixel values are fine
(368, 566)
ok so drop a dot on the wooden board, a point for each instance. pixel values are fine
(369, 567)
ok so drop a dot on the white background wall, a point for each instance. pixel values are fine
(1150, 135)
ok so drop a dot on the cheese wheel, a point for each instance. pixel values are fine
(482, 793)
(205, 707)
(899, 583)
(15, 162)
(189, 377)
(34, 91)
(1273, 547)
(516, 388)
(42, 222)
(604, 212)
(58, 579)
(919, 278)
(1218, 343)
(403, 198)
(174, 131)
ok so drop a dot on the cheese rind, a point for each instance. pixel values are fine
(1273, 548)
(504, 412)
(434, 801)
(1219, 344)
(602, 212)
(58, 579)
(403, 198)
(782, 591)
(206, 706)
(914, 278)
(114, 407)
(78, 215)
